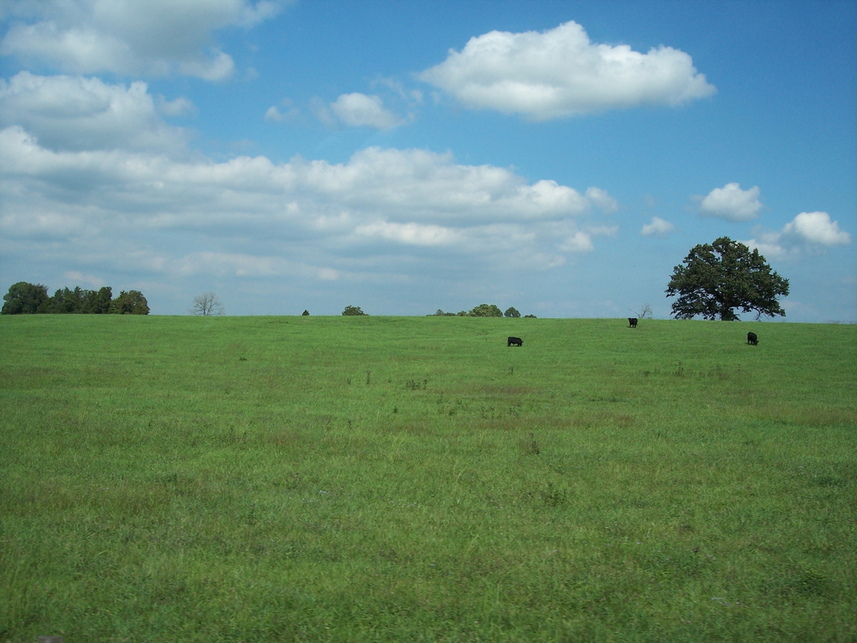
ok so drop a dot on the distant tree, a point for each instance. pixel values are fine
(529, 316)
(130, 303)
(485, 310)
(352, 311)
(207, 304)
(644, 311)
(24, 299)
(511, 312)
(716, 279)
(305, 313)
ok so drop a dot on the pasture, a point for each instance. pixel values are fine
(415, 479)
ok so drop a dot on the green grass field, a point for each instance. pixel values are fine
(413, 479)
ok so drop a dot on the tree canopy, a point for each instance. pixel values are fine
(716, 279)
(352, 311)
(485, 310)
(130, 303)
(79, 301)
(24, 299)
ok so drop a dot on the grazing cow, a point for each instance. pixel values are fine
(632, 322)
(752, 339)
(515, 341)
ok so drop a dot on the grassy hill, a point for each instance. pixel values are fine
(407, 479)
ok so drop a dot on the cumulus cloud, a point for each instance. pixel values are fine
(153, 38)
(411, 233)
(77, 113)
(816, 228)
(731, 203)
(602, 200)
(560, 72)
(808, 231)
(360, 110)
(177, 107)
(285, 111)
(579, 241)
(657, 227)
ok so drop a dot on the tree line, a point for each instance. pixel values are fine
(483, 310)
(29, 299)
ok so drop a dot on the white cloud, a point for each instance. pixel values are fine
(77, 277)
(77, 113)
(152, 38)
(253, 14)
(658, 227)
(177, 107)
(282, 112)
(560, 72)
(578, 242)
(164, 215)
(360, 110)
(411, 233)
(431, 187)
(273, 115)
(216, 66)
(732, 203)
(816, 228)
(808, 231)
(602, 200)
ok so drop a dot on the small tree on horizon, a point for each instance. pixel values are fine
(485, 310)
(644, 311)
(511, 312)
(716, 279)
(207, 304)
(353, 311)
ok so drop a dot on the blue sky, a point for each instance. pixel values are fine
(404, 157)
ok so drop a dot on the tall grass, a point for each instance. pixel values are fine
(366, 479)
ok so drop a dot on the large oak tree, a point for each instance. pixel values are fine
(716, 279)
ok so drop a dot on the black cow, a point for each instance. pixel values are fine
(632, 322)
(752, 339)
(515, 341)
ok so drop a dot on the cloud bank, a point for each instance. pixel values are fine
(560, 72)
(92, 168)
(128, 36)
